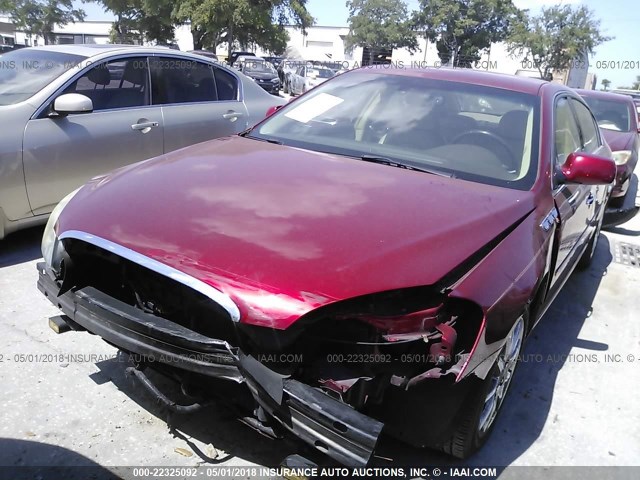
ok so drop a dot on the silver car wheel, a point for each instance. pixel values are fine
(506, 363)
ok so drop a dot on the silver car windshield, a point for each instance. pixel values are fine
(483, 134)
(25, 72)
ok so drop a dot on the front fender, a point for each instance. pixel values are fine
(503, 284)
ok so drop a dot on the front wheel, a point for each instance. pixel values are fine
(480, 411)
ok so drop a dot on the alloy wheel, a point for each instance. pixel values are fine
(501, 379)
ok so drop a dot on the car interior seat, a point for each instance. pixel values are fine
(512, 128)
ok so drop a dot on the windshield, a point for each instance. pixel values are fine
(25, 72)
(258, 67)
(320, 73)
(611, 115)
(483, 134)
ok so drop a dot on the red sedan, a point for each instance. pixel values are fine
(617, 117)
(372, 256)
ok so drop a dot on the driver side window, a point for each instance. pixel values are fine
(567, 135)
(121, 83)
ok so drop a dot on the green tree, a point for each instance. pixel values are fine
(242, 22)
(556, 37)
(376, 24)
(605, 84)
(462, 29)
(38, 17)
(138, 20)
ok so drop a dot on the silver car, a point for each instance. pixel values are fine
(308, 76)
(71, 112)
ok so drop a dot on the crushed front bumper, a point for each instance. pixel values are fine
(332, 427)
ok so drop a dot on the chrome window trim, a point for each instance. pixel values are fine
(207, 290)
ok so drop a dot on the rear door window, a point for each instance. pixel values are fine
(177, 80)
(226, 83)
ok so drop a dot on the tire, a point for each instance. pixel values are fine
(479, 412)
(587, 256)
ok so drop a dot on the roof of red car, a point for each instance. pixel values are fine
(615, 97)
(465, 75)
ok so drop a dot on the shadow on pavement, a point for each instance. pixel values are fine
(24, 459)
(21, 247)
(213, 434)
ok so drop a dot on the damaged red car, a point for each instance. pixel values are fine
(368, 260)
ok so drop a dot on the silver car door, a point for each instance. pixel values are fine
(63, 152)
(199, 101)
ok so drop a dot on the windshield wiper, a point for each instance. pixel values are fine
(245, 134)
(394, 163)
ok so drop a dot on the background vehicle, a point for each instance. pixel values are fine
(234, 56)
(73, 112)
(205, 53)
(635, 94)
(262, 72)
(285, 69)
(275, 61)
(371, 255)
(306, 77)
(617, 117)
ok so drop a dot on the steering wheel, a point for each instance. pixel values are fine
(495, 144)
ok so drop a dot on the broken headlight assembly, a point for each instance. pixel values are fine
(354, 350)
(52, 249)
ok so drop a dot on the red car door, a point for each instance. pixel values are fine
(578, 205)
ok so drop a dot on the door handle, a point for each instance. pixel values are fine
(590, 199)
(144, 126)
(231, 115)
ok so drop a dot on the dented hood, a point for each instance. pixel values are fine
(283, 231)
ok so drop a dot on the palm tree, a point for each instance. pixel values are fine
(605, 84)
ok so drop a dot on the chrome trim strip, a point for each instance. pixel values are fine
(549, 220)
(170, 272)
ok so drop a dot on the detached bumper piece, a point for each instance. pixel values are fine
(617, 215)
(332, 427)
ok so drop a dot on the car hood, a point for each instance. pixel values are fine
(618, 140)
(283, 230)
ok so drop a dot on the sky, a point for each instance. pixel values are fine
(618, 59)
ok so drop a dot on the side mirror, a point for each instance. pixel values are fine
(72, 103)
(273, 110)
(588, 169)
